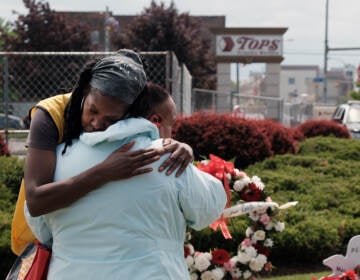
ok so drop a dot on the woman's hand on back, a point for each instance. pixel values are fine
(181, 156)
(123, 164)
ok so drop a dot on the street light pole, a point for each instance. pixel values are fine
(326, 50)
(106, 29)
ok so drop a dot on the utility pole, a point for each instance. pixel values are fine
(237, 78)
(106, 29)
(326, 50)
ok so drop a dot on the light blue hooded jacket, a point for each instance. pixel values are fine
(128, 229)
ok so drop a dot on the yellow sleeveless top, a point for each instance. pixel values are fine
(21, 234)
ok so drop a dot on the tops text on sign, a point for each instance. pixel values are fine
(249, 45)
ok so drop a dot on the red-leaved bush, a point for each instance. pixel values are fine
(313, 128)
(296, 134)
(247, 141)
(225, 136)
(281, 138)
(4, 150)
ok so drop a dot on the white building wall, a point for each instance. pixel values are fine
(223, 78)
(272, 80)
(297, 80)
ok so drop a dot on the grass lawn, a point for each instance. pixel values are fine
(306, 276)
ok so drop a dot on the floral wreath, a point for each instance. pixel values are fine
(254, 250)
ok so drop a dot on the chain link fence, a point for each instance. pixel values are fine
(28, 77)
(204, 100)
(239, 105)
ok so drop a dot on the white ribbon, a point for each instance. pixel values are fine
(247, 207)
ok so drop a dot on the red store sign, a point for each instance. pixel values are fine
(249, 45)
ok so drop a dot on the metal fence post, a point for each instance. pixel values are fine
(231, 103)
(181, 89)
(281, 110)
(168, 70)
(6, 97)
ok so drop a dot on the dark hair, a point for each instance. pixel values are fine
(72, 114)
(151, 97)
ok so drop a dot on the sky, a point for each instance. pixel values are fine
(305, 20)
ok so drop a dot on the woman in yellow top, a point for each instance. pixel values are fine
(93, 105)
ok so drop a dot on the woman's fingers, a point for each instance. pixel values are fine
(123, 164)
(145, 157)
(172, 163)
(182, 167)
(141, 171)
(180, 158)
(135, 161)
(126, 147)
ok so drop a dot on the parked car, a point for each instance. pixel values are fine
(14, 122)
(348, 114)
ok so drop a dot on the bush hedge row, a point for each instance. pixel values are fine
(247, 141)
(225, 136)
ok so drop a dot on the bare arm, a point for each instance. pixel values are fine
(43, 195)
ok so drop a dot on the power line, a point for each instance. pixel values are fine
(319, 53)
(345, 49)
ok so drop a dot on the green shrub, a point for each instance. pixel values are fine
(314, 236)
(6, 210)
(324, 178)
(11, 172)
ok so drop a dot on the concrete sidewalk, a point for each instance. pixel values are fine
(17, 146)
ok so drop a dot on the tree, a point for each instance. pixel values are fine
(160, 28)
(355, 94)
(5, 30)
(42, 29)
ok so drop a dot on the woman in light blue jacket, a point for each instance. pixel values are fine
(128, 229)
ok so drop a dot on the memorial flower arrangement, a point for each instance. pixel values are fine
(345, 267)
(347, 275)
(253, 252)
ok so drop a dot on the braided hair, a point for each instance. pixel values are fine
(73, 110)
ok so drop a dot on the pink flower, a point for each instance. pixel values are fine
(246, 242)
(265, 219)
(229, 265)
(197, 253)
(239, 173)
